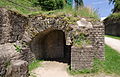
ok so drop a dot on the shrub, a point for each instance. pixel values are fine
(51, 4)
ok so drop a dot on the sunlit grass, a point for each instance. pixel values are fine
(112, 60)
(27, 7)
(35, 64)
(115, 37)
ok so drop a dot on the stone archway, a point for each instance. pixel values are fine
(49, 44)
(54, 44)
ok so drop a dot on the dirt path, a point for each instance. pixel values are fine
(113, 43)
(57, 69)
(52, 69)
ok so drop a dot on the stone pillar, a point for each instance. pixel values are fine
(81, 58)
(98, 41)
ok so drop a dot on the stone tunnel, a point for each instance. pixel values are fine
(49, 44)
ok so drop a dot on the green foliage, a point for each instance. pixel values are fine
(81, 40)
(113, 17)
(78, 2)
(21, 6)
(75, 72)
(18, 48)
(35, 64)
(27, 7)
(116, 5)
(50, 4)
(81, 11)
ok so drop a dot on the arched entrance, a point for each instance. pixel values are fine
(54, 44)
(50, 45)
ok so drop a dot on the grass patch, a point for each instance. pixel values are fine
(115, 37)
(112, 61)
(35, 64)
(21, 6)
(26, 7)
(81, 11)
(75, 72)
(32, 74)
(110, 65)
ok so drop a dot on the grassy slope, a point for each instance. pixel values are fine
(26, 7)
(22, 6)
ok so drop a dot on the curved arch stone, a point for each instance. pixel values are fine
(39, 24)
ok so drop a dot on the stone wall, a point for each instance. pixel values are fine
(29, 33)
(5, 27)
(98, 41)
(11, 64)
(12, 26)
(82, 58)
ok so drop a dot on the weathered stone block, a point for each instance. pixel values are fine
(17, 68)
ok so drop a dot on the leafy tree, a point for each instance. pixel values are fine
(51, 4)
(77, 2)
(116, 5)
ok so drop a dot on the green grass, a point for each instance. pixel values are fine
(26, 7)
(98, 66)
(115, 37)
(110, 65)
(112, 61)
(21, 6)
(35, 64)
(82, 11)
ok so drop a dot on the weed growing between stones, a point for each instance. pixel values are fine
(81, 40)
(18, 48)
